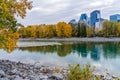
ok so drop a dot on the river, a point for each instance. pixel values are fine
(102, 55)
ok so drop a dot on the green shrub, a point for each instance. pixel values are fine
(78, 73)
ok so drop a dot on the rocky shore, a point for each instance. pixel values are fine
(10, 70)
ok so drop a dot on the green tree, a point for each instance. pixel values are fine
(78, 32)
(81, 30)
(107, 28)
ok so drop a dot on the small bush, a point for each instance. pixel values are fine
(78, 73)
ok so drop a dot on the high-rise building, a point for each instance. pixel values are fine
(95, 17)
(115, 18)
(83, 19)
(73, 22)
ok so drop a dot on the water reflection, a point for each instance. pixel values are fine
(95, 50)
(111, 50)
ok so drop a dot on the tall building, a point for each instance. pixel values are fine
(84, 18)
(115, 18)
(95, 17)
(73, 22)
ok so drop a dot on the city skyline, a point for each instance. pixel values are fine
(51, 12)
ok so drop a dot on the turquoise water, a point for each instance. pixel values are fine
(101, 55)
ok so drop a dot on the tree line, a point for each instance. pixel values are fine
(66, 30)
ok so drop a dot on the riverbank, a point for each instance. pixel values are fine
(10, 70)
(93, 39)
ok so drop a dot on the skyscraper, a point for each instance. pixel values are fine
(83, 18)
(95, 17)
(73, 22)
(115, 18)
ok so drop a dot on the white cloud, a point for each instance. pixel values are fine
(102, 3)
(52, 11)
(97, 3)
(108, 2)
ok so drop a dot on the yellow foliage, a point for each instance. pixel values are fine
(63, 30)
(59, 29)
(67, 31)
(49, 31)
(89, 31)
(8, 40)
(118, 28)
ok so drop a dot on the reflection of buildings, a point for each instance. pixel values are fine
(115, 18)
(81, 49)
(96, 51)
(84, 50)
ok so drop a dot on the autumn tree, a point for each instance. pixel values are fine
(67, 31)
(115, 29)
(50, 31)
(74, 29)
(118, 29)
(9, 9)
(39, 31)
(89, 31)
(22, 32)
(107, 28)
(60, 29)
(63, 29)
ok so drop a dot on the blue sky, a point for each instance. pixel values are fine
(53, 11)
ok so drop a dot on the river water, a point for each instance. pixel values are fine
(104, 56)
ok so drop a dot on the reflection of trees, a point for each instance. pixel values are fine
(111, 49)
(41, 49)
(64, 50)
(61, 50)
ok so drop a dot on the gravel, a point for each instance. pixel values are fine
(10, 70)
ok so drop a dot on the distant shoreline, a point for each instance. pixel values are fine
(93, 39)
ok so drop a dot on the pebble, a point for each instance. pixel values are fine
(4, 79)
(43, 76)
(59, 76)
(18, 78)
(2, 73)
(10, 70)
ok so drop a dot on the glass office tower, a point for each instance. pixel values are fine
(95, 17)
(115, 18)
(83, 19)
